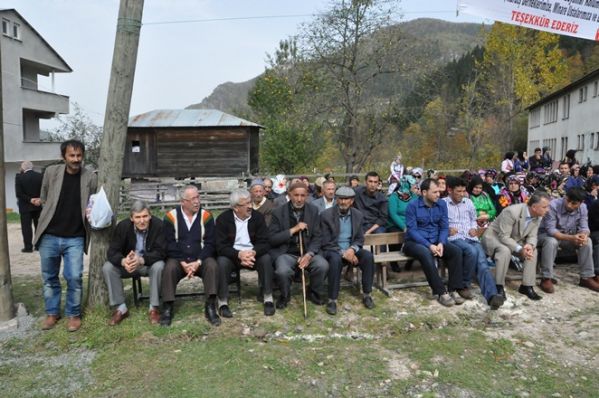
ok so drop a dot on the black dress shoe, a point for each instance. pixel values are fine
(282, 302)
(225, 312)
(269, 308)
(166, 317)
(496, 301)
(315, 298)
(368, 303)
(529, 292)
(332, 308)
(26, 250)
(211, 315)
(501, 291)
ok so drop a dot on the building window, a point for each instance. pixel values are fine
(535, 118)
(595, 88)
(592, 143)
(550, 112)
(5, 26)
(582, 94)
(597, 141)
(16, 31)
(582, 142)
(566, 111)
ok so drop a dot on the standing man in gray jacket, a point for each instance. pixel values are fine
(63, 232)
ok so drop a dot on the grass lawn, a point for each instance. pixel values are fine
(403, 347)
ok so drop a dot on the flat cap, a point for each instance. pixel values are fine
(345, 192)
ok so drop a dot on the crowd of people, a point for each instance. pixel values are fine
(282, 228)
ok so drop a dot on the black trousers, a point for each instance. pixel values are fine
(263, 265)
(336, 264)
(27, 217)
(453, 259)
(173, 273)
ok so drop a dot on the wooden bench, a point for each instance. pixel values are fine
(138, 295)
(375, 244)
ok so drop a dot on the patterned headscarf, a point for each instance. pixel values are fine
(406, 183)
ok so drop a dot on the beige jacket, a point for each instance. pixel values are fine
(509, 228)
(51, 187)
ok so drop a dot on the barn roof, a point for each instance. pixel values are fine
(188, 118)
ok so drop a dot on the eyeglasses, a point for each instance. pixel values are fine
(194, 199)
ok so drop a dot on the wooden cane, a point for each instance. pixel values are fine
(301, 248)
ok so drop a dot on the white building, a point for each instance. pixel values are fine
(568, 119)
(25, 56)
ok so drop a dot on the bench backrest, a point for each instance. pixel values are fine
(373, 242)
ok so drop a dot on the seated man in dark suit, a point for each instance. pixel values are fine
(189, 232)
(242, 241)
(342, 241)
(138, 248)
(28, 185)
(288, 222)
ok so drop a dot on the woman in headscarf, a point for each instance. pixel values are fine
(485, 208)
(514, 193)
(398, 202)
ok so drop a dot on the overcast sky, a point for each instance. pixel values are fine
(180, 63)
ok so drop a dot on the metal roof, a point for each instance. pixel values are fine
(188, 118)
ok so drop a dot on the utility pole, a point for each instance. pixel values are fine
(115, 132)
(6, 300)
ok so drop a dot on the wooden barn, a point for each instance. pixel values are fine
(190, 143)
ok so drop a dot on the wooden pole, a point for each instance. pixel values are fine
(6, 300)
(114, 137)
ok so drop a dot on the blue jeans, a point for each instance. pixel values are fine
(51, 249)
(475, 260)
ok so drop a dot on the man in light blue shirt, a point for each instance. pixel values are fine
(464, 233)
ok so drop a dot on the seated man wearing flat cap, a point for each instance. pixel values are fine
(342, 240)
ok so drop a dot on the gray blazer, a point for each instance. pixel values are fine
(278, 230)
(51, 187)
(329, 225)
(508, 229)
(321, 204)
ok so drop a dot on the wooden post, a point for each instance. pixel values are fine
(6, 300)
(115, 132)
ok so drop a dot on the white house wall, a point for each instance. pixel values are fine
(580, 128)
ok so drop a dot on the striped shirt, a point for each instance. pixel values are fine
(462, 216)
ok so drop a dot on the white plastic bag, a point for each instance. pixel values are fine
(99, 210)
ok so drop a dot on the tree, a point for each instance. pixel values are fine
(519, 66)
(291, 141)
(347, 50)
(78, 125)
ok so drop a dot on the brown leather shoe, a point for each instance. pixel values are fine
(50, 322)
(465, 293)
(596, 278)
(117, 317)
(547, 285)
(154, 316)
(589, 283)
(73, 324)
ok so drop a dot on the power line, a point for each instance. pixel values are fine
(228, 19)
(184, 21)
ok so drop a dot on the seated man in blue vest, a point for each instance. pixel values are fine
(342, 240)
(189, 232)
